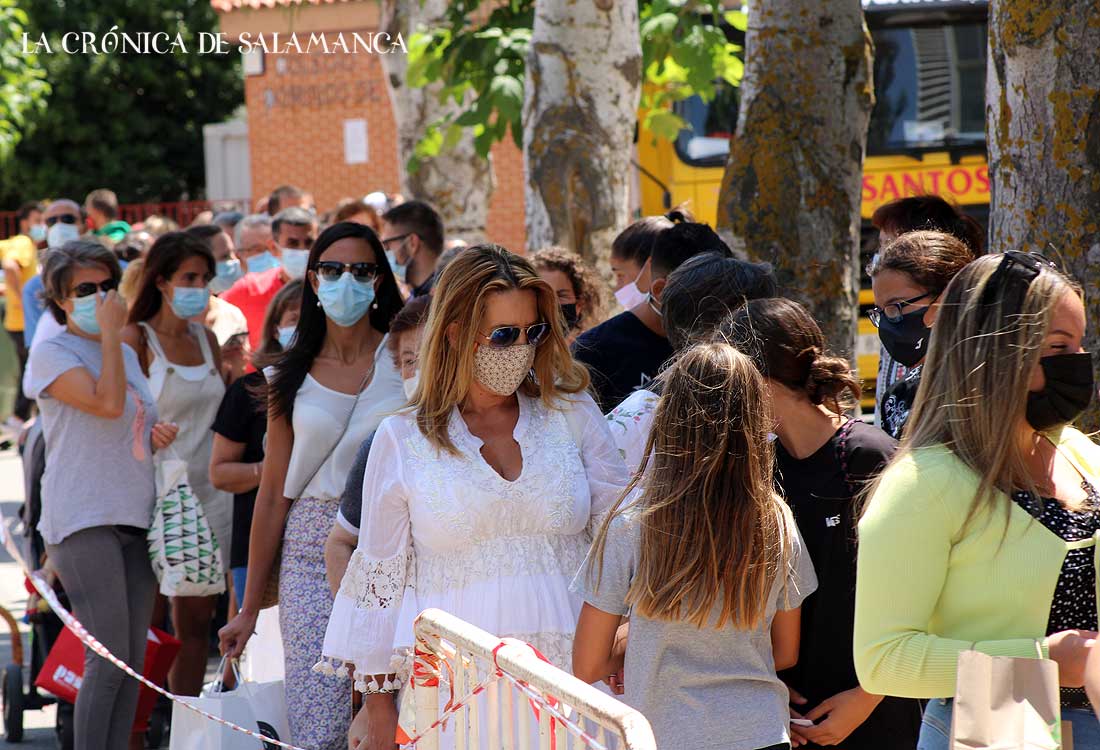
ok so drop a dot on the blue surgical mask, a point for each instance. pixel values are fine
(286, 336)
(265, 261)
(83, 314)
(187, 302)
(398, 269)
(345, 300)
(228, 271)
(60, 233)
(38, 232)
(295, 261)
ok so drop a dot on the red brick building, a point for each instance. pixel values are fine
(298, 104)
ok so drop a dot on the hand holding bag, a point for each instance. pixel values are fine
(1006, 703)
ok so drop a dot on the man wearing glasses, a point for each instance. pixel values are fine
(412, 235)
(62, 219)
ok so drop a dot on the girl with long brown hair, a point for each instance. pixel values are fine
(823, 460)
(708, 563)
(481, 497)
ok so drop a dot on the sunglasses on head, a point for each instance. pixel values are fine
(1017, 267)
(63, 218)
(90, 287)
(504, 336)
(331, 270)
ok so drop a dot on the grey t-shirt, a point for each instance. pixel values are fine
(677, 674)
(99, 472)
(351, 501)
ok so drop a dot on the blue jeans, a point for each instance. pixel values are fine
(935, 728)
(239, 576)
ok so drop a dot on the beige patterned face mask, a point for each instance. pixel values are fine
(502, 370)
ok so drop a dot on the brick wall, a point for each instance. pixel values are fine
(296, 113)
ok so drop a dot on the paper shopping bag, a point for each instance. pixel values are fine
(258, 707)
(1006, 703)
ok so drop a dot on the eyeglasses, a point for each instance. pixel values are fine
(90, 287)
(331, 270)
(505, 336)
(63, 218)
(386, 242)
(1021, 267)
(895, 310)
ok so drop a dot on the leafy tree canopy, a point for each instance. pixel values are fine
(128, 121)
(23, 87)
(480, 59)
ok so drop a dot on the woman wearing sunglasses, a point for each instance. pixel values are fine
(907, 278)
(480, 498)
(100, 427)
(183, 363)
(326, 393)
(979, 535)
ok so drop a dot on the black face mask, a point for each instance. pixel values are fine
(571, 315)
(907, 339)
(1067, 393)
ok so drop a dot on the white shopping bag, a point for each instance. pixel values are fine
(263, 656)
(257, 706)
(182, 546)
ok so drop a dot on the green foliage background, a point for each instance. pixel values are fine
(126, 121)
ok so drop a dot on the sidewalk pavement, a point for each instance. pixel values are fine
(38, 725)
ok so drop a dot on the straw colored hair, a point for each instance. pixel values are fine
(973, 391)
(451, 335)
(714, 533)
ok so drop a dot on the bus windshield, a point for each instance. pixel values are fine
(929, 93)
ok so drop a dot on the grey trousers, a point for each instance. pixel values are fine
(106, 573)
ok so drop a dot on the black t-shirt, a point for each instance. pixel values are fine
(897, 403)
(622, 355)
(822, 492)
(243, 420)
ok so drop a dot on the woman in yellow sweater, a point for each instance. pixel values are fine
(981, 533)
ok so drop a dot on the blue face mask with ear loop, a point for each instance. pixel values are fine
(83, 314)
(399, 270)
(345, 300)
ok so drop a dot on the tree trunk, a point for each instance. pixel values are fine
(457, 181)
(792, 187)
(583, 83)
(1043, 132)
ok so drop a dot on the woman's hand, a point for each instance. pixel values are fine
(618, 658)
(796, 699)
(843, 713)
(375, 726)
(164, 434)
(1070, 648)
(234, 636)
(110, 313)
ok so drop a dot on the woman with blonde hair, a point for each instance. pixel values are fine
(706, 561)
(480, 498)
(979, 533)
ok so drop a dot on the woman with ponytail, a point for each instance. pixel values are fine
(823, 459)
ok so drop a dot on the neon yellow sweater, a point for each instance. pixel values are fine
(925, 590)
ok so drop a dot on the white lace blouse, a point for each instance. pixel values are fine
(448, 531)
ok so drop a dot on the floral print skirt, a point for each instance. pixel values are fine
(318, 707)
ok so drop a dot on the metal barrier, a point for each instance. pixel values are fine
(487, 675)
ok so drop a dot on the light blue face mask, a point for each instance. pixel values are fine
(187, 302)
(398, 269)
(295, 261)
(265, 261)
(286, 336)
(228, 271)
(38, 232)
(83, 314)
(345, 300)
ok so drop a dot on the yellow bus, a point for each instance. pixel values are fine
(926, 136)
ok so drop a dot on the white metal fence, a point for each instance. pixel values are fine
(485, 692)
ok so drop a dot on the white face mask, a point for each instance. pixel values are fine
(294, 262)
(409, 384)
(630, 296)
(60, 233)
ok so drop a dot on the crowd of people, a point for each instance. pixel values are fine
(678, 502)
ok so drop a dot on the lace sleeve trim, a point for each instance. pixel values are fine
(375, 584)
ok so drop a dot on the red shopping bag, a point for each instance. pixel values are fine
(64, 670)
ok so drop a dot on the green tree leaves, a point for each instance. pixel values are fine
(481, 63)
(23, 86)
(129, 121)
